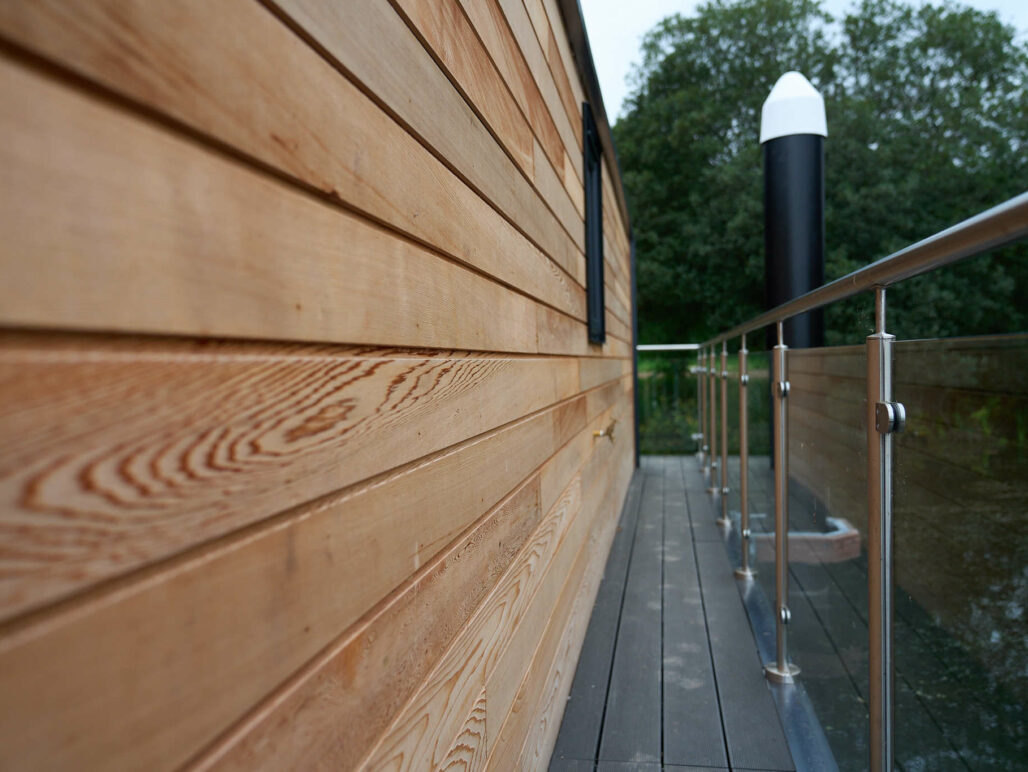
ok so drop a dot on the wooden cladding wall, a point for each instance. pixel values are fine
(297, 408)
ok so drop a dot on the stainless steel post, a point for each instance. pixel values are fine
(781, 670)
(700, 441)
(701, 395)
(724, 521)
(744, 571)
(884, 418)
(712, 421)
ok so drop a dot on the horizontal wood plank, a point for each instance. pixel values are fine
(488, 20)
(451, 39)
(203, 246)
(272, 593)
(539, 663)
(106, 478)
(160, 55)
(373, 44)
(422, 728)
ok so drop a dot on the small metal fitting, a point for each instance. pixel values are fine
(890, 417)
(746, 534)
(724, 490)
(785, 615)
(608, 432)
(783, 389)
(744, 378)
(724, 374)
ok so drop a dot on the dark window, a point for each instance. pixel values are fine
(593, 228)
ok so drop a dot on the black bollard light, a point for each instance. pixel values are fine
(792, 132)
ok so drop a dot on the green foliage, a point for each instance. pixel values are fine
(928, 123)
(668, 411)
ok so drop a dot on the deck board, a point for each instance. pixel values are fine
(692, 713)
(632, 727)
(686, 688)
(583, 717)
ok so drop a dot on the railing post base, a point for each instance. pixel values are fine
(776, 675)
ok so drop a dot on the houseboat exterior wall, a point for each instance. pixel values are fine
(306, 459)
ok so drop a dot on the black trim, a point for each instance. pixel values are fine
(593, 169)
(635, 349)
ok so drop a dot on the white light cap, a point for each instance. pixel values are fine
(793, 107)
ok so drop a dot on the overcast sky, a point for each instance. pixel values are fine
(615, 28)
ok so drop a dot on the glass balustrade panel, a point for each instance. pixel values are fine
(667, 403)
(828, 637)
(961, 553)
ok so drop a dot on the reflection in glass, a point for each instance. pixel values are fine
(961, 498)
(827, 541)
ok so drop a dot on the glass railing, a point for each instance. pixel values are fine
(961, 556)
(828, 541)
(667, 401)
(901, 590)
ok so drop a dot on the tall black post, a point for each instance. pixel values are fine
(792, 131)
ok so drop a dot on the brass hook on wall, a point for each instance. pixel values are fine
(608, 432)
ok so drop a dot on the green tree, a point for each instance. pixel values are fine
(928, 124)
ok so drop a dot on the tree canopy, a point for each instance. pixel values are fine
(928, 124)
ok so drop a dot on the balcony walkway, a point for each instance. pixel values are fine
(670, 674)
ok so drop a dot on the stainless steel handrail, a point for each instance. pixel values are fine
(993, 228)
(669, 347)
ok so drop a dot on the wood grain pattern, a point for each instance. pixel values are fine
(149, 651)
(160, 56)
(468, 751)
(541, 734)
(330, 714)
(523, 688)
(419, 737)
(126, 457)
(413, 740)
(515, 713)
(336, 707)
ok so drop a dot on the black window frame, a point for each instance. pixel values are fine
(593, 172)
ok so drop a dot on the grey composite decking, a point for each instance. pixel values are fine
(670, 676)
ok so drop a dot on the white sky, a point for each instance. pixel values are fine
(616, 27)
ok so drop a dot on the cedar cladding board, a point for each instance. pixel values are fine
(297, 465)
